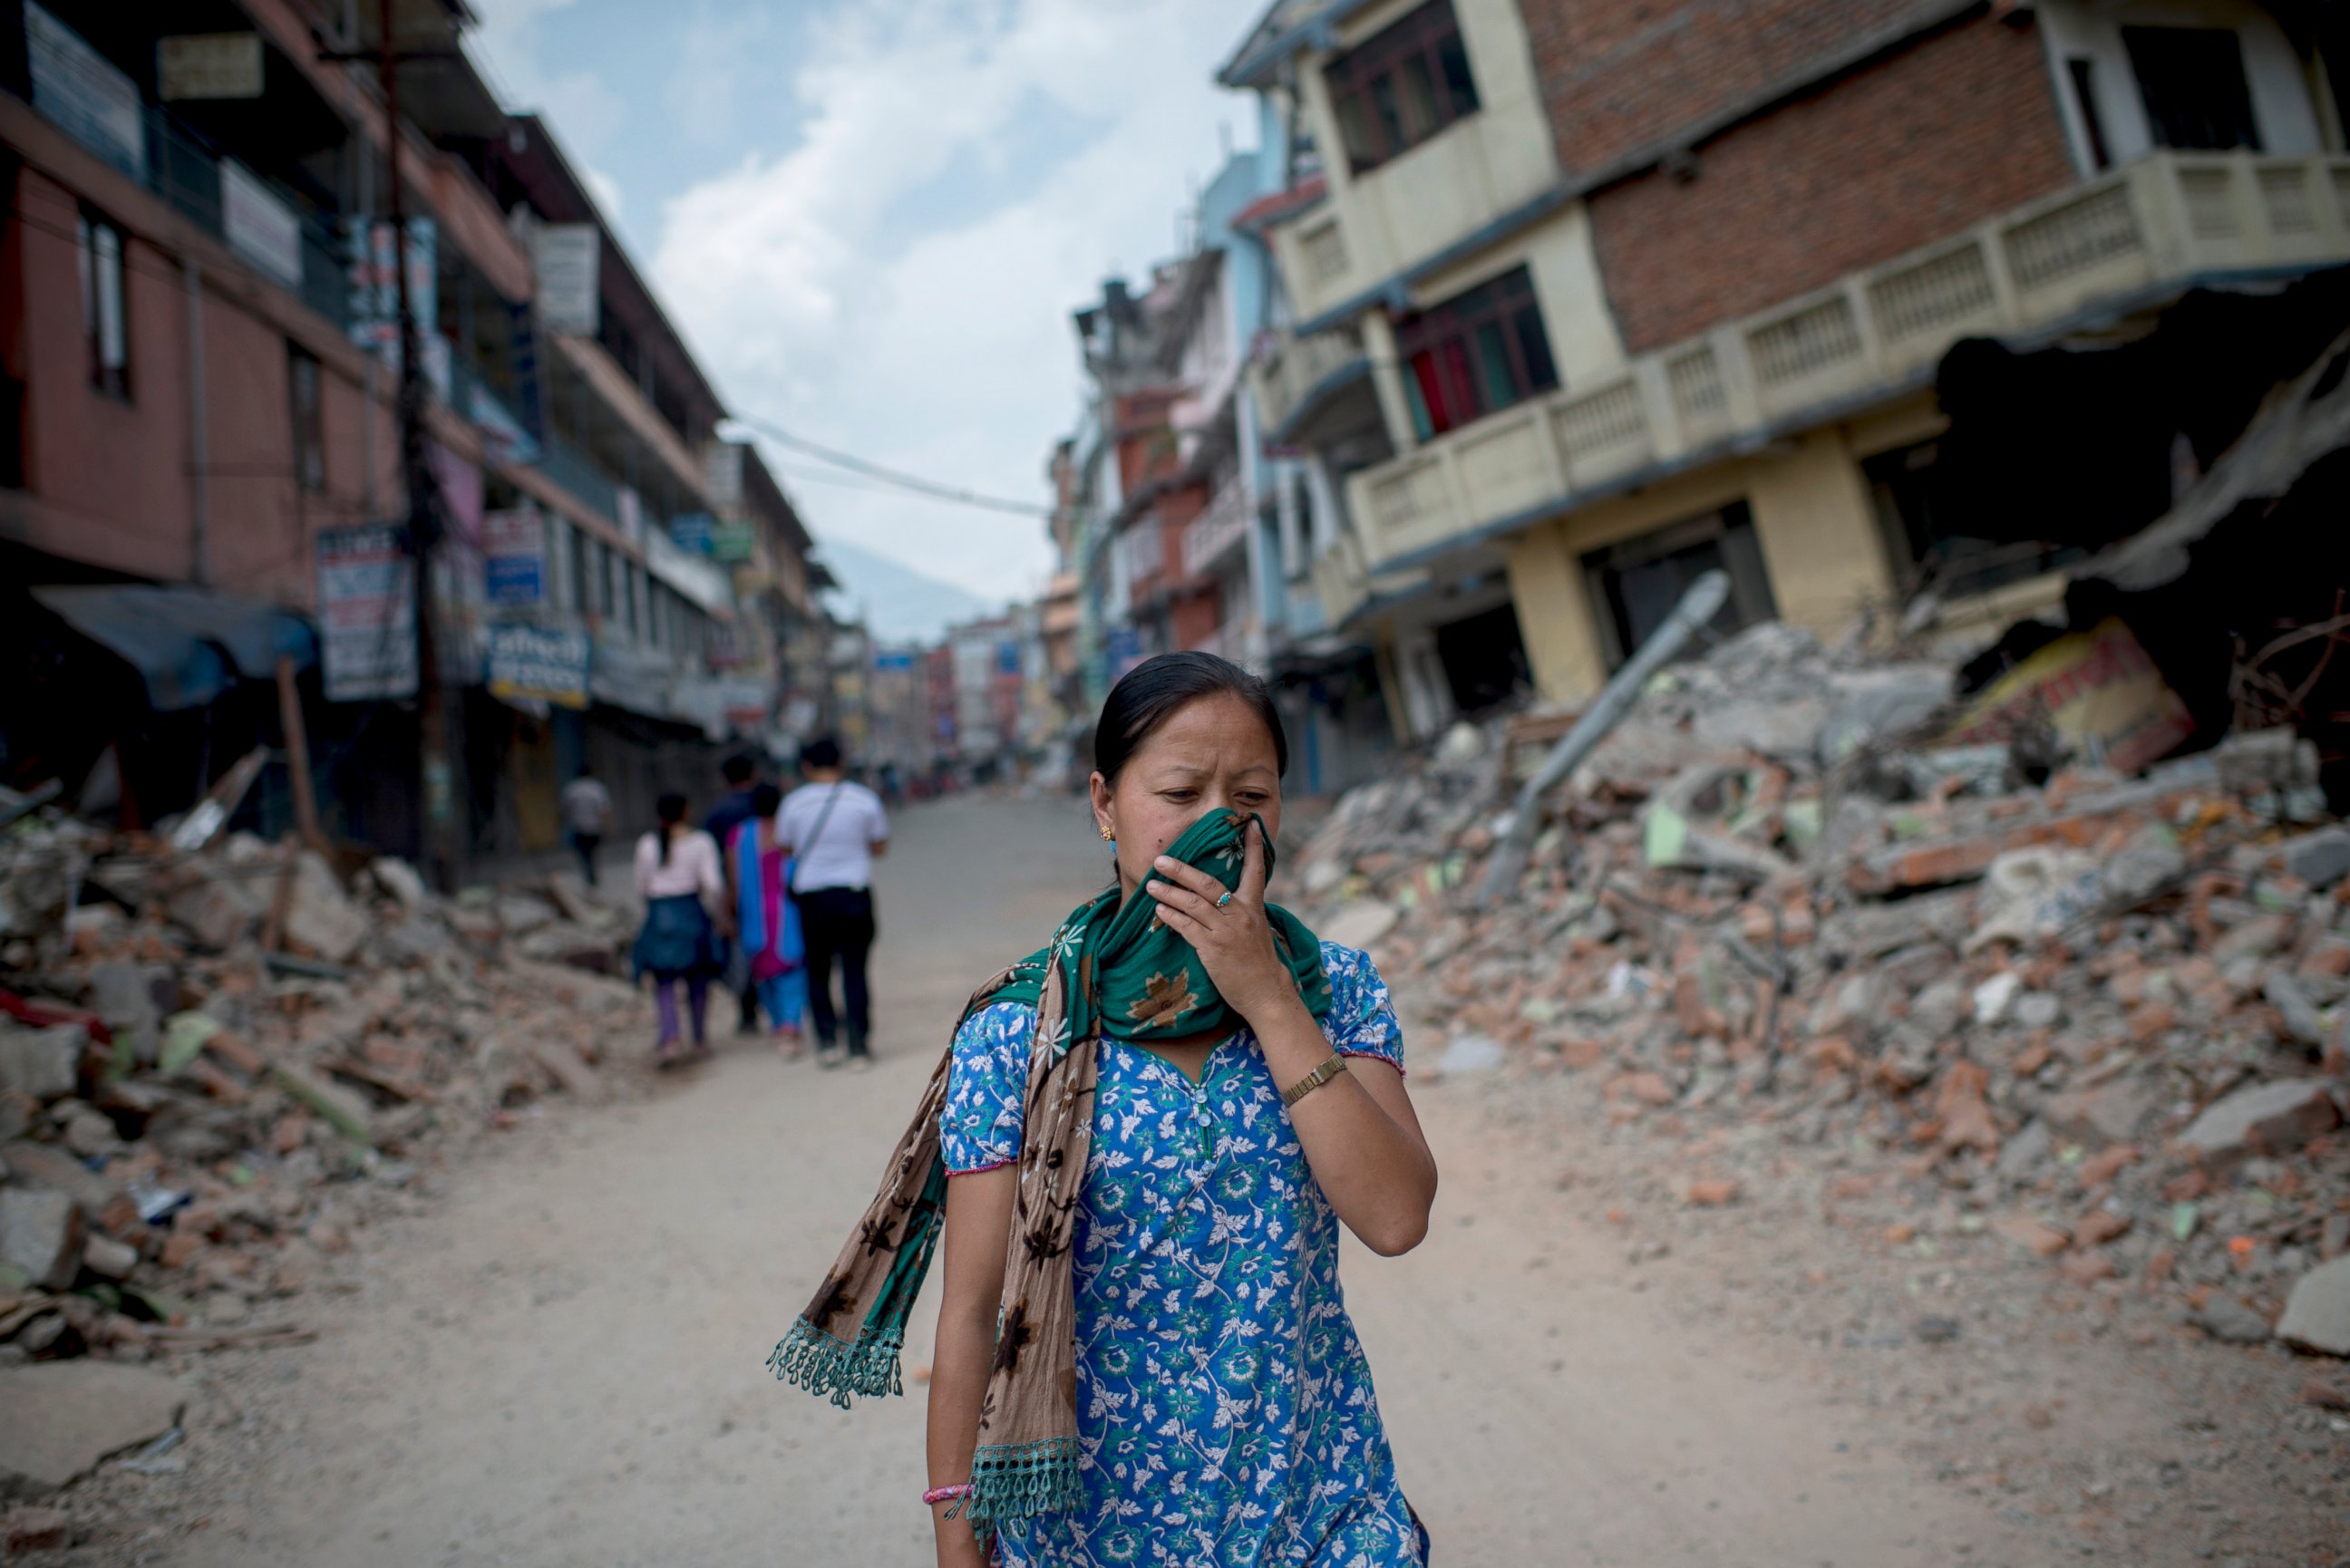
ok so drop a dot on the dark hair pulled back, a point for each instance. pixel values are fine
(764, 799)
(1154, 690)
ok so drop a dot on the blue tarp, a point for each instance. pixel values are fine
(188, 645)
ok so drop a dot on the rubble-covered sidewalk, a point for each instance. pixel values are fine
(2096, 1018)
(218, 1063)
(1935, 1054)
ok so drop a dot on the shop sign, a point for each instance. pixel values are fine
(259, 227)
(82, 93)
(367, 613)
(546, 664)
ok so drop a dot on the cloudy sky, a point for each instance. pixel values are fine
(872, 218)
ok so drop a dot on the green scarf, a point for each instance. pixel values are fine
(1111, 969)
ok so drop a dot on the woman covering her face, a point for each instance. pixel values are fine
(1138, 1152)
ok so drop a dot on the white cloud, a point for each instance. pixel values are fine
(821, 301)
(585, 112)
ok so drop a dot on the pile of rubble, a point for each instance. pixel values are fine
(215, 1062)
(2005, 994)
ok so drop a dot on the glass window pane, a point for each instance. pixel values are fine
(1498, 388)
(1416, 91)
(1388, 114)
(1355, 129)
(1460, 85)
(111, 349)
(1460, 381)
(1534, 344)
(1419, 392)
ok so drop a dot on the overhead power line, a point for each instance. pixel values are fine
(890, 476)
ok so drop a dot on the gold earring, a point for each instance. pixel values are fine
(1107, 836)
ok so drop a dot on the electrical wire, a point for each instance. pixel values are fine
(892, 476)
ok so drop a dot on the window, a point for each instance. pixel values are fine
(1475, 354)
(1930, 533)
(309, 437)
(103, 317)
(2083, 71)
(1640, 581)
(1401, 86)
(2193, 81)
(1484, 659)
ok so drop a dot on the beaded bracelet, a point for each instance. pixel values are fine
(939, 1494)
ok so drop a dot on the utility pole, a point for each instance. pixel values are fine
(438, 828)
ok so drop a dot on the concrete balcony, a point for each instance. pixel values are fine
(2135, 233)
(1294, 378)
(1219, 530)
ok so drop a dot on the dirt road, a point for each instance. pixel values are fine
(559, 1363)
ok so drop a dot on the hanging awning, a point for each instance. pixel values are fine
(188, 645)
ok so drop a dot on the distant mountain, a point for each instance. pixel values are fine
(898, 603)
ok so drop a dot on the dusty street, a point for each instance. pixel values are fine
(556, 1358)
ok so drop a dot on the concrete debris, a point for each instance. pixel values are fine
(1791, 915)
(193, 1123)
(41, 1062)
(2229, 1321)
(60, 1420)
(2317, 1313)
(2321, 858)
(319, 920)
(41, 1233)
(2267, 1119)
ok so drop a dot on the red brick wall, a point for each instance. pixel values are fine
(1942, 135)
(1622, 75)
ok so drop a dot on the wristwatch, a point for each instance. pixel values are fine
(1314, 1080)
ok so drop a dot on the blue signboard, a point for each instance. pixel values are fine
(515, 579)
(543, 664)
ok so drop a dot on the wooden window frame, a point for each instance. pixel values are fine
(1445, 338)
(1373, 128)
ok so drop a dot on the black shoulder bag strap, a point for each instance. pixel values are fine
(799, 851)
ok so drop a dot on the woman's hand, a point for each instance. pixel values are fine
(1234, 941)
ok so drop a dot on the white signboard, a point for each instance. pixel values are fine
(367, 613)
(81, 91)
(514, 557)
(207, 64)
(259, 227)
(564, 255)
(722, 471)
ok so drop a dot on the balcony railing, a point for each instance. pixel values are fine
(1293, 370)
(2168, 219)
(1211, 535)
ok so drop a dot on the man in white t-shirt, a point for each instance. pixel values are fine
(586, 808)
(833, 829)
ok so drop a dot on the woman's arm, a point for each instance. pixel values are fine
(978, 1233)
(644, 866)
(1358, 1131)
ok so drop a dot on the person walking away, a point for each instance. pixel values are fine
(587, 818)
(676, 871)
(741, 772)
(833, 829)
(767, 923)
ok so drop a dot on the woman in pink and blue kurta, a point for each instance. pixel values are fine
(767, 923)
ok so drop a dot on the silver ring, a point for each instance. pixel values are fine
(1225, 899)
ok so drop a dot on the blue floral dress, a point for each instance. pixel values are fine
(1224, 1409)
